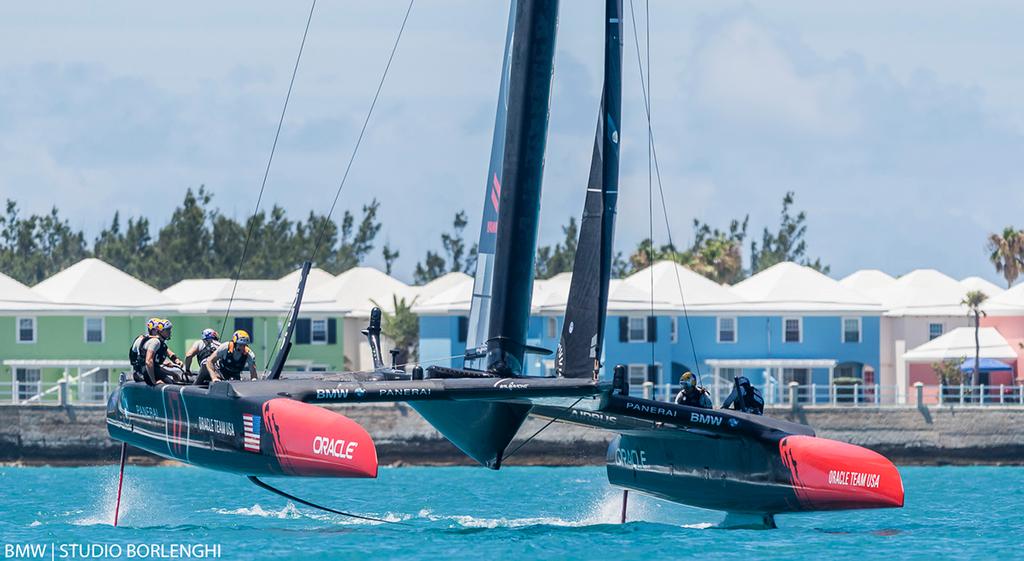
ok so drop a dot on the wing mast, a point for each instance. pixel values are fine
(286, 347)
(579, 348)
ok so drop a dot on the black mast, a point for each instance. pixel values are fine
(286, 347)
(579, 349)
(529, 96)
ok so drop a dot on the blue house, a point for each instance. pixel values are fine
(786, 324)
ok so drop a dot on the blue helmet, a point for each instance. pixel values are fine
(210, 335)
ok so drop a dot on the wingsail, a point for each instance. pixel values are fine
(579, 347)
(480, 309)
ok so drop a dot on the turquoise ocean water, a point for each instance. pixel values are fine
(472, 513)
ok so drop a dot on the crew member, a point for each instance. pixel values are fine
(228, 361)
(744, 397)
(136, 356)
(691, 394)
(202, 349)
(159, 364)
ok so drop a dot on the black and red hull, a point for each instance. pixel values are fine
(739, 463)
(221, 430)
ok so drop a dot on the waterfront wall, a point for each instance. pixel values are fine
(946, 435)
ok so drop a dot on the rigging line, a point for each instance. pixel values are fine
(262, 484)
(540, 430)
(650, 182)
(661, 191)
(266, 172)
(362, 131)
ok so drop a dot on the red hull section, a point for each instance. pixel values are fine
(313, 442)
(831, 475)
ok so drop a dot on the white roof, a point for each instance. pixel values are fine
(290, 282)
(439, 285)
(924, 292)
(356, 291)
(674, 286)
(455, 300)
(93, 284)
(1009, 302)
(977, 283)
(15, 296)
(213, 295)
(789, 287)
(959, 343)
(870, 282)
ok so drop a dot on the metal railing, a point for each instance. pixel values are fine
(857, 395)
(57, 393)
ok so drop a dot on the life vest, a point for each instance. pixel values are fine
(137, 353)
(231, 364)
(752, 400)
(208, 348)
(692, 398)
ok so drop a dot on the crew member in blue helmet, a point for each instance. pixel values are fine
(744, 397)
(229, 360)
(202, 349)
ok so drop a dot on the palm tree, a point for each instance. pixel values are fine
(1007, 253)
(973, 301)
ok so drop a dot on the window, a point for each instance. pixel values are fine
(674, 329)
(92, 385)
(637, 377)
(851, 330)
(93, 330)
(246, 325)
(726, 330)
(463, 328)
(26, 330)
(29, 382)
(793, 330)
(637, 330)
(934, 330)
(318, 331)
(551, 325)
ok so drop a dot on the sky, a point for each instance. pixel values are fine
(898, 126)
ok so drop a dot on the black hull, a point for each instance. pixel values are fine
(258, 435)
(734, 462)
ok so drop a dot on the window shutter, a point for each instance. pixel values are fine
(623, 329)
(652, 329)
(302, 331)
(652, 373)
(332, 331)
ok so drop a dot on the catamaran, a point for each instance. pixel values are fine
(750, 466)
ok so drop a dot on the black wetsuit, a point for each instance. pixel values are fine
(746, 398)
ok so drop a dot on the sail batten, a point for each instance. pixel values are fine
(580, 345)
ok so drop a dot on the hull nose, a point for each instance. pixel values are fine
(314, 442)
(831, 475)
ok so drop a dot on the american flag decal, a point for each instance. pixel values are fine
(251, 430)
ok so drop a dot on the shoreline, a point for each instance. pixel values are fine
(948, 436)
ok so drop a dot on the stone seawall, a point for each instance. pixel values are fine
(990, 435)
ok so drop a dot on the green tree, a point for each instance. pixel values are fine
(356, 243)
(949, 371)
(717, 254)
(973, 300)
(403, 328)
(1006, 252)
(390, 256)
(552, 260)
(131, 250)
(455, 257)
(35, 248)
(183, 246)
(787, 244)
